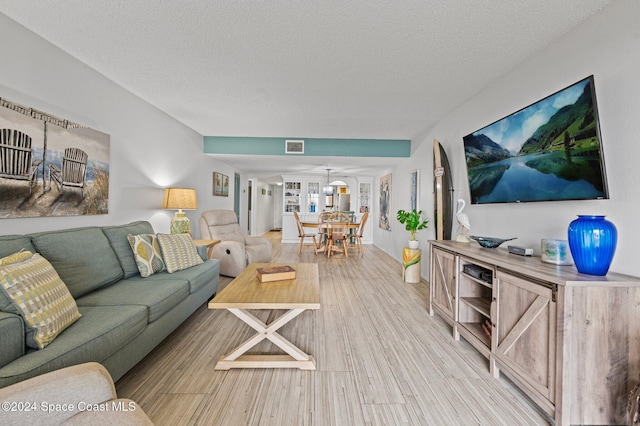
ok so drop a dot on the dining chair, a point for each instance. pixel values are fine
(337, 233)
(322, 232)
(358, 235)
(304, 235)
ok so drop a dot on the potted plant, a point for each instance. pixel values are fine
(413, 223)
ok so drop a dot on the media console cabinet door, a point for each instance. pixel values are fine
(526, 334)
(442, 280)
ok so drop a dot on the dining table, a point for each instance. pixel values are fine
(330, 225)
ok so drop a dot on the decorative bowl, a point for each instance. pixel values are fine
(489, 242)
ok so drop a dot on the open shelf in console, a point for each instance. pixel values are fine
(476, 333)
(475, 287)
(480, 304)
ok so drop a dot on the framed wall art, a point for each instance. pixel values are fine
(385, 202)
(50, 166)
(413, 188)
(220, 184)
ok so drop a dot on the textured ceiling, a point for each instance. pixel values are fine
(327, 69)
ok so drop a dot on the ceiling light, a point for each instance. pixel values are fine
(328, 190)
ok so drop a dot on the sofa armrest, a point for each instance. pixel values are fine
(202, 251)
(258, 249)
(252, 241)
(121, 412)
(67, 390)
(12, 337)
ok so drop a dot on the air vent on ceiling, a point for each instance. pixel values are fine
(294, 147)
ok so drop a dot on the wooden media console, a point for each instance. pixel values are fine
(569, 341)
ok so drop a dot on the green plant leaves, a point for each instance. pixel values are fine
(412, 221)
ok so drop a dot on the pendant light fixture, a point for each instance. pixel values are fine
(328, 189)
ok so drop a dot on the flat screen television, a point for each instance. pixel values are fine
(550, 150)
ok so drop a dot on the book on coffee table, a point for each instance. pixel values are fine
(275, 273)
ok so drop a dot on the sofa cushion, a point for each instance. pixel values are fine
(158, 297)
(82, 257)
(39, 296)
(178, 251)
(146, 251)
(198, 276)
(101, 332)
(117, 236)
(12, 243)
(12, 337)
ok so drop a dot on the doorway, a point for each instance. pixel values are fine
(277, 207)
(236, 195)
(249, 204)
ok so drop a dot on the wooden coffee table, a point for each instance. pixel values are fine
(247, 292)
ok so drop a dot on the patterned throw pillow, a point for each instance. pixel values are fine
(146, 251)
(178, 251)
(40, 297)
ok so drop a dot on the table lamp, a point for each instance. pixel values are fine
(180, 199)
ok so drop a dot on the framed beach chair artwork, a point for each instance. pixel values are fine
(50, 166)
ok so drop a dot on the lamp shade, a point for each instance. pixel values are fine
(180, 199)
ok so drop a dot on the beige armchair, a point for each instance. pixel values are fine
(83, 394)
(236, 250)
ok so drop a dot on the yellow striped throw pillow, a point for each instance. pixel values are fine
(178, 251)
(16, 257)
(40, 297)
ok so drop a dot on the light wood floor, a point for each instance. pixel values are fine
(381, 360)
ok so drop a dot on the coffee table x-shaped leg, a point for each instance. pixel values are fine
(295, 357)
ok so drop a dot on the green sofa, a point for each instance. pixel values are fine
(124, 316)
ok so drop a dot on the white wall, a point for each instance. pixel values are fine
(264, 219)
(149, 150)
(607, 46)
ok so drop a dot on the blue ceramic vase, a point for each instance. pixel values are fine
(592, 240)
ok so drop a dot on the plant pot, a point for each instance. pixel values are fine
(411, 265)
(592, 240)
(414, 244)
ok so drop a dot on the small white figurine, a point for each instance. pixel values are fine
(462, 234)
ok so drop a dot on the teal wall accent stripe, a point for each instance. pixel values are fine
(312, 146)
